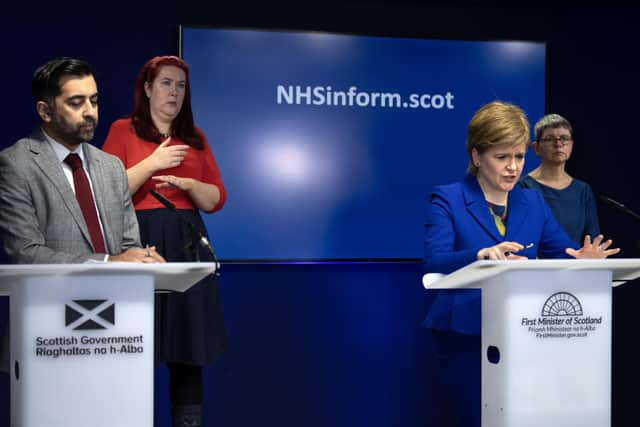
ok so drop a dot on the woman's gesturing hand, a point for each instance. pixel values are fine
(596, 249)
(168, 156)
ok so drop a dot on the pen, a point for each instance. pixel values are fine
(530, 245)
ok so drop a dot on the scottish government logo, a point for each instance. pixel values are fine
(89, 331)
(89, 314)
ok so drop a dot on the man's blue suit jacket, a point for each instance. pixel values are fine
(459, 224)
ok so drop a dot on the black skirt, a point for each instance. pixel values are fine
(189, 326)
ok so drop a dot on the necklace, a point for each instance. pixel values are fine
(499, 211)
(499, 214)
(165, 135)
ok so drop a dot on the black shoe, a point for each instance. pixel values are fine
(186, 415)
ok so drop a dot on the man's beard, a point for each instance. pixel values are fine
(74, 134)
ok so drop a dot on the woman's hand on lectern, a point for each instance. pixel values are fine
(596, 249)
(501, 251)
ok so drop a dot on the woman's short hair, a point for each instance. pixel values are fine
(551, 121)
(496, 123)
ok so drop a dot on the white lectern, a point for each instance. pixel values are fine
(546, 338)
(82, 340)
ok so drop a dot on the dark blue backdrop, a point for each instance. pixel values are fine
(340, 344)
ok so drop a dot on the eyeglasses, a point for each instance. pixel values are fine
(564, 139)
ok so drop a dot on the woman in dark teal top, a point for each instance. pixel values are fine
(571, 200)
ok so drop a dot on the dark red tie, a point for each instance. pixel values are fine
(85, 199)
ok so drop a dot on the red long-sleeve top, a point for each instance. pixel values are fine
(123, 142)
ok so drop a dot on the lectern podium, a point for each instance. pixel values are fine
(82, 340)
(546, 338)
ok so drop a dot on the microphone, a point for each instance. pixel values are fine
(195, 230)
(618, 205)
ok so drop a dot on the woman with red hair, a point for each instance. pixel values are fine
(163, 150)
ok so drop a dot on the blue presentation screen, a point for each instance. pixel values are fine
(329, 144)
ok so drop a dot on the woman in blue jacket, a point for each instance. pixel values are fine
(485, 216)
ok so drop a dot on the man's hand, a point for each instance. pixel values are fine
(146, 255)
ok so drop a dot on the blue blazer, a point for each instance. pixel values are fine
(459, 224)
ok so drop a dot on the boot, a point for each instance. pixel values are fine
(186, 415)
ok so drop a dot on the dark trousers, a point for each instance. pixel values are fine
(456, 379)
(185, 384)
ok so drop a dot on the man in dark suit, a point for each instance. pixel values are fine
(41, 219)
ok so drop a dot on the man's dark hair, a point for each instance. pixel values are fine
(45, 85)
